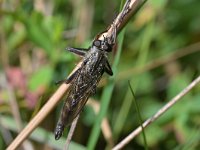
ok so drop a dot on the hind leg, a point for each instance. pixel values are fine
(108, 69)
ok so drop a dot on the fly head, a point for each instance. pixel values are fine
(102, 45)
(107, 41)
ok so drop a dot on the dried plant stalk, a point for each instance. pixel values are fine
(160, 112)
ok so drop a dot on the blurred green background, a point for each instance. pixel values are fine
(160, 56)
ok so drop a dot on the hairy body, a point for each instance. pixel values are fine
(84, 81)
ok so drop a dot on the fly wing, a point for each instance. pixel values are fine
(82, 88)
(78, 95)
(75, 104)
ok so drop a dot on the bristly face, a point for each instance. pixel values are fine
(102, 45)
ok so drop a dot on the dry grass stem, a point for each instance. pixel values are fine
(71, 132)
(39, 117)
(160, 112)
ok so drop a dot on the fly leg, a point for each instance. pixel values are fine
(108, 69)
(79, 51)
(69, 79)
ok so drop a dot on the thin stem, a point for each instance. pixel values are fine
(160, 112)
(51, 103)
(139, 115)
(71, 132)
(130, 8)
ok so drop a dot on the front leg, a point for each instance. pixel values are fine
(108, 69)
(79, 51)
(69, 78)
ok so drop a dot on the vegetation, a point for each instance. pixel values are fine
(160, 55)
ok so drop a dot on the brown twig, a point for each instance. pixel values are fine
(120, 22)
(71, 132)
(158, 114)
(105, 125)
(130, 8)
(39, 117)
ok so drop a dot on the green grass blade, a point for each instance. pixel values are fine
(139, 116)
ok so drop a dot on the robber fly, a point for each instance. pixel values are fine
(85, 79)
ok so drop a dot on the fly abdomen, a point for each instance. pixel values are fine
(59, 130)
(64, 118)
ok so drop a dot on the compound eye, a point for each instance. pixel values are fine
(97, 43)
